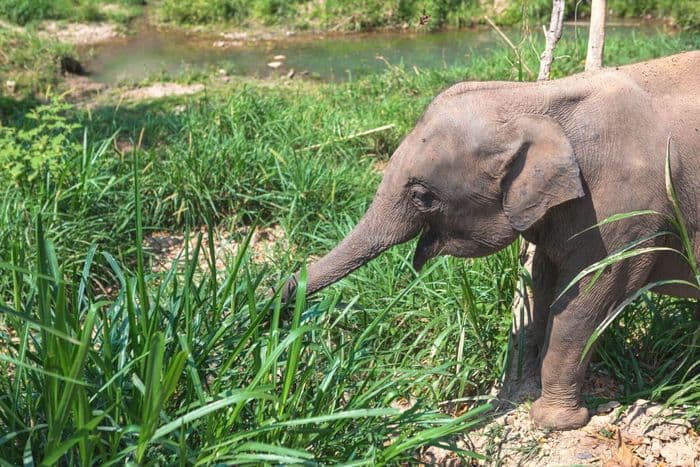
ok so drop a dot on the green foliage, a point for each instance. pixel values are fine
(30, 11)
(347, 15)
(202, 11)
(685, 13)
(29, 60)
(362, 15)
(176, 367)
(38, 149)
(217, 11)
(105, 360)
(535, 10)
(26, 11)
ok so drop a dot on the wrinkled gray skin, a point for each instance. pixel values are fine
(491, 160)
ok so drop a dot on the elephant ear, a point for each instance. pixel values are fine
(541, 173)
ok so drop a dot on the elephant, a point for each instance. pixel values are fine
(489, 161)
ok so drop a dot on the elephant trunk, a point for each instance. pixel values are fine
(382, 227)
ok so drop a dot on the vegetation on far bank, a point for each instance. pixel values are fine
(362, 15)
(337, 15)
(103, 360)
(23, 12)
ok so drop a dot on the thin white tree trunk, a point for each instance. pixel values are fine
(596, 35)
(556, 24)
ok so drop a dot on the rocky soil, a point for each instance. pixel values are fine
(641, 434)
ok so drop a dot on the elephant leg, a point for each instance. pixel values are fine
(572, 320)
(560, 407)
(530, 316)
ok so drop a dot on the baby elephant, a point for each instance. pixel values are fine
(489, 161)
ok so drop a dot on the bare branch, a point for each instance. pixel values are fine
(510, 44)
(556, 24)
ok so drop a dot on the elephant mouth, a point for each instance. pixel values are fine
(429, 246)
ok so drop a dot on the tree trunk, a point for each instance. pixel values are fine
(556, 24)
(596, 36)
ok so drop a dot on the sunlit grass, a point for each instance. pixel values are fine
(104, 360)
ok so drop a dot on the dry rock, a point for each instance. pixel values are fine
(608, 407)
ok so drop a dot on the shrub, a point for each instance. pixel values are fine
(38, 148)
(27, 11)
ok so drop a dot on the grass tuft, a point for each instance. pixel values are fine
(104, 361)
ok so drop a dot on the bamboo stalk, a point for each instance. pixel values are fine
(349, 137)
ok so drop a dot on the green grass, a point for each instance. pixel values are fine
(30, 11)
(335, 15)
(30, 62)
(363, 15)
(102, 360)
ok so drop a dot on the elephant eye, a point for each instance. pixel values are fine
(422, 198)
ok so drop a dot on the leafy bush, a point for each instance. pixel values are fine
(216, 11)
(38, 149)
(26, 11)
(29, 11)
(202, 11)
(685, 13)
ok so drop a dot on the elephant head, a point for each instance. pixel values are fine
(469, 177)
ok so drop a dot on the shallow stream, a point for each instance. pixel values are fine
(150, 53)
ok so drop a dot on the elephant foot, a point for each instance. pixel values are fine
(556, 417)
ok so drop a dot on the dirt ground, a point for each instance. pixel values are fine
(80, 33)
(641, 434)
(166, 248)
(159, 90)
